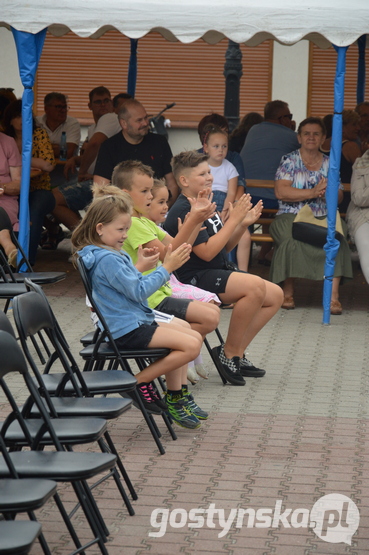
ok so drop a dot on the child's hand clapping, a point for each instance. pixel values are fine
(253, 215)
(147, 258)
(202, 206)
(175, 259)
(239, 211)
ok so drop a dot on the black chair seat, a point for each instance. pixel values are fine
(17, 496)
(60, 466)
(69, 431)
(17, 537)
(99, 382)
(106, 351)
(42, 278)
(10, 290)
(88, 338)
(100, 407)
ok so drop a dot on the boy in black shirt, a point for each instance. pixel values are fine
(255, 299)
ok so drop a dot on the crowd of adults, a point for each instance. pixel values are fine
(262, 147)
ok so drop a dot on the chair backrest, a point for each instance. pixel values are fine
(13, 361)
(5, 324)
(32, 315)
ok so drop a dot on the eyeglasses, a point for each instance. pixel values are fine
(59, 106)
(289, 116)
(101, 102)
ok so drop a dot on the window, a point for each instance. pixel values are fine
(322, 71)
(189, 74)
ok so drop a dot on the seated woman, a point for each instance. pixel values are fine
(10, 174)
(302, 178)
(41, 199)
(358, 211)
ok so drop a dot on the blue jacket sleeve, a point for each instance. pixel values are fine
(122, 276)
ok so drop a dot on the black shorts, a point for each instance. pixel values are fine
(215, 280)
(176, 307)
(137, 339)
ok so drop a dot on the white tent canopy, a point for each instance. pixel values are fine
(339, 22)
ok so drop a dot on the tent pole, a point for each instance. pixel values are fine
(132, 68)
(332, 245)
(232, 73)
(29, 48)
(360, 90)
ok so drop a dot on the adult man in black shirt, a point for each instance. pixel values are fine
(136, 143)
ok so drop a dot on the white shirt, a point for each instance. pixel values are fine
(71, 127)
(222, 174)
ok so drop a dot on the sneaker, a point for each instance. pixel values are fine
(156, 397)
(147, 400)
(193, 407)
(229, 368)
(248, 370)
(192, 377)
(180, 414)
(200, 370)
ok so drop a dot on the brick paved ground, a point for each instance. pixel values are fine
(298, 434)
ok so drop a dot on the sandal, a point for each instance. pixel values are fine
(288, 303)
(336, 308)
(52, 242)
(12, 258)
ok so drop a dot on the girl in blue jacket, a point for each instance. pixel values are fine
(120, 291)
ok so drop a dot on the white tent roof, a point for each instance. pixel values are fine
(251, 21)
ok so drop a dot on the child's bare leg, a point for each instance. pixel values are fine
(243, 251)
(185, 345)
(203, 317)
(256, 301)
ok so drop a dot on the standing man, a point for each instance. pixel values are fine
(134, 142)
(56, 121)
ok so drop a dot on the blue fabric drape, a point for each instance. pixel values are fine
(29, 48)
(132, 68)
(360, 88)
(332, 245)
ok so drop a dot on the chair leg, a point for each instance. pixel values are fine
(120, 465)
(206, 343)
(67, 522)
(146, 416)
(88, 510)
(41, 538)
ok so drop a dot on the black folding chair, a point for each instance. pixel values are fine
(39, 277)
(8, 288)
(59, 465)
(17, 538)
(70, 428)
(103, 348)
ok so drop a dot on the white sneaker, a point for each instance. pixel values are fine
(200, 370)
(191, 375)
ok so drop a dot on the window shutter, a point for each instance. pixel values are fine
(322, 71)
(189, 74)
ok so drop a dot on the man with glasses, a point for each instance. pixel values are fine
(56, 120)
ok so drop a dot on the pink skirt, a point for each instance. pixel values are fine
(187, 291)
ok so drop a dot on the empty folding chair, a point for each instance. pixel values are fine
(59, 465)
(70, 429)
(17, 538)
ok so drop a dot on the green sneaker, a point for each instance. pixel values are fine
(193, 407)
(180, 414)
